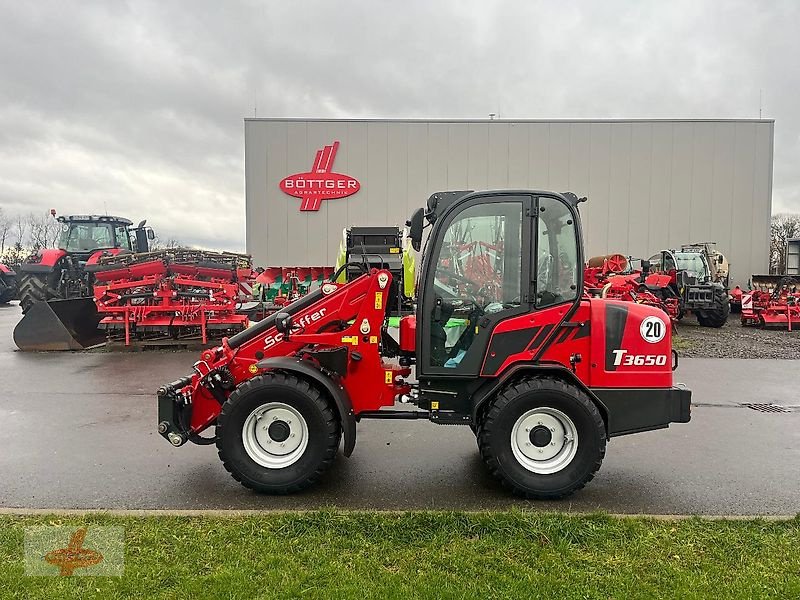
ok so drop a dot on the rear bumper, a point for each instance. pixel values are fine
(631, 410)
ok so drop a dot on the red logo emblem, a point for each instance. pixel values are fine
(320, 183)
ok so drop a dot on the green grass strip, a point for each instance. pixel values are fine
(515, 554)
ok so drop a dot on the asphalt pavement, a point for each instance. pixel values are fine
(80, 432)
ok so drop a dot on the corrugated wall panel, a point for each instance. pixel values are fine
(651, 184)
(680, 184)
(594, 214)
(638, 217)
(397, 169)
(618, 213)
(743, 181)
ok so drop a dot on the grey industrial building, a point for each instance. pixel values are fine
(651, 184)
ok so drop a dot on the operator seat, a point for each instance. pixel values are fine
(439, 354)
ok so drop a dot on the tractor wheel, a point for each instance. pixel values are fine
(719, 316)
(277, 433)
(37, 287)
(542, 438)
(7, 292)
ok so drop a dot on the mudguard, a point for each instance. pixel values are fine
(336, 391)
(47, 260)
(94, 259)
(488, 390)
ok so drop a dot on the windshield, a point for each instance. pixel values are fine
(81, 237)
(693, 263)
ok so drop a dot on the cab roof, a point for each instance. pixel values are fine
(93, 218)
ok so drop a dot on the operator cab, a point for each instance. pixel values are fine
(692, 264)
(490, 256)
(84, 234)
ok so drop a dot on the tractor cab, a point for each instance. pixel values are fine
(84, 234)
(489, 258)
(694, 264)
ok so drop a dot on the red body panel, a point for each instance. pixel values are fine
(370, 382)
(599, 334)
(408, 333)
(4, 269)
(95, 258)
(617, 326)
(49, 257)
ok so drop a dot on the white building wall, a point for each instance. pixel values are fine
(651, 184)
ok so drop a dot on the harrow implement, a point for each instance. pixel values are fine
(772, 305)
(172, 293)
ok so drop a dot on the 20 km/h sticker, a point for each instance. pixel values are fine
(653, 329)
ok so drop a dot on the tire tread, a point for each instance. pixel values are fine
(506, 396)
(316, 396)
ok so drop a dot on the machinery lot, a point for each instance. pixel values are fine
(80, 432)
(734, 341)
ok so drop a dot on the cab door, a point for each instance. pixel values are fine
(477, 274)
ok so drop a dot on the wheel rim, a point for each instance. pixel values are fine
(275, 435)
(544, 440)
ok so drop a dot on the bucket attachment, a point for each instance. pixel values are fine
(59, 325)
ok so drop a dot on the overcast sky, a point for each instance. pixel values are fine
(137, 107)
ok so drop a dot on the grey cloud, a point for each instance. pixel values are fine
(138, 106)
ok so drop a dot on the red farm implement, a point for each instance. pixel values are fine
(174, 294)
(611, 277)
(773, 305)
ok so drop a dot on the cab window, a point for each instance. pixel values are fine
(81, 237)
(477, 273)
(556, 254)
(123, 239)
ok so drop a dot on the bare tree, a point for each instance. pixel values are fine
(20, 232)
(169, 244)
(43, 229)
(5, 229)
(783, 227)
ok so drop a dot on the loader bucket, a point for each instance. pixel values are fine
(59, 325)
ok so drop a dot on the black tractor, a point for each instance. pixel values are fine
(692, 282)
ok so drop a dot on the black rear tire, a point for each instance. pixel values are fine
(321, 428)
(719, 315)
(528, 397)
(37, 287)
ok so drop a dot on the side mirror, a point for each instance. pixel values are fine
(720, 259)
(283, 322)
(150, 234)
(431, 205)
(645, 266)
(142, 244)
(415, 225)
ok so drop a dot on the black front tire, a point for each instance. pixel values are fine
(37, 287)
(518, 399)
(322, 425)
(719, 315)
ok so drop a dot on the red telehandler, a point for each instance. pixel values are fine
(543, 374)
